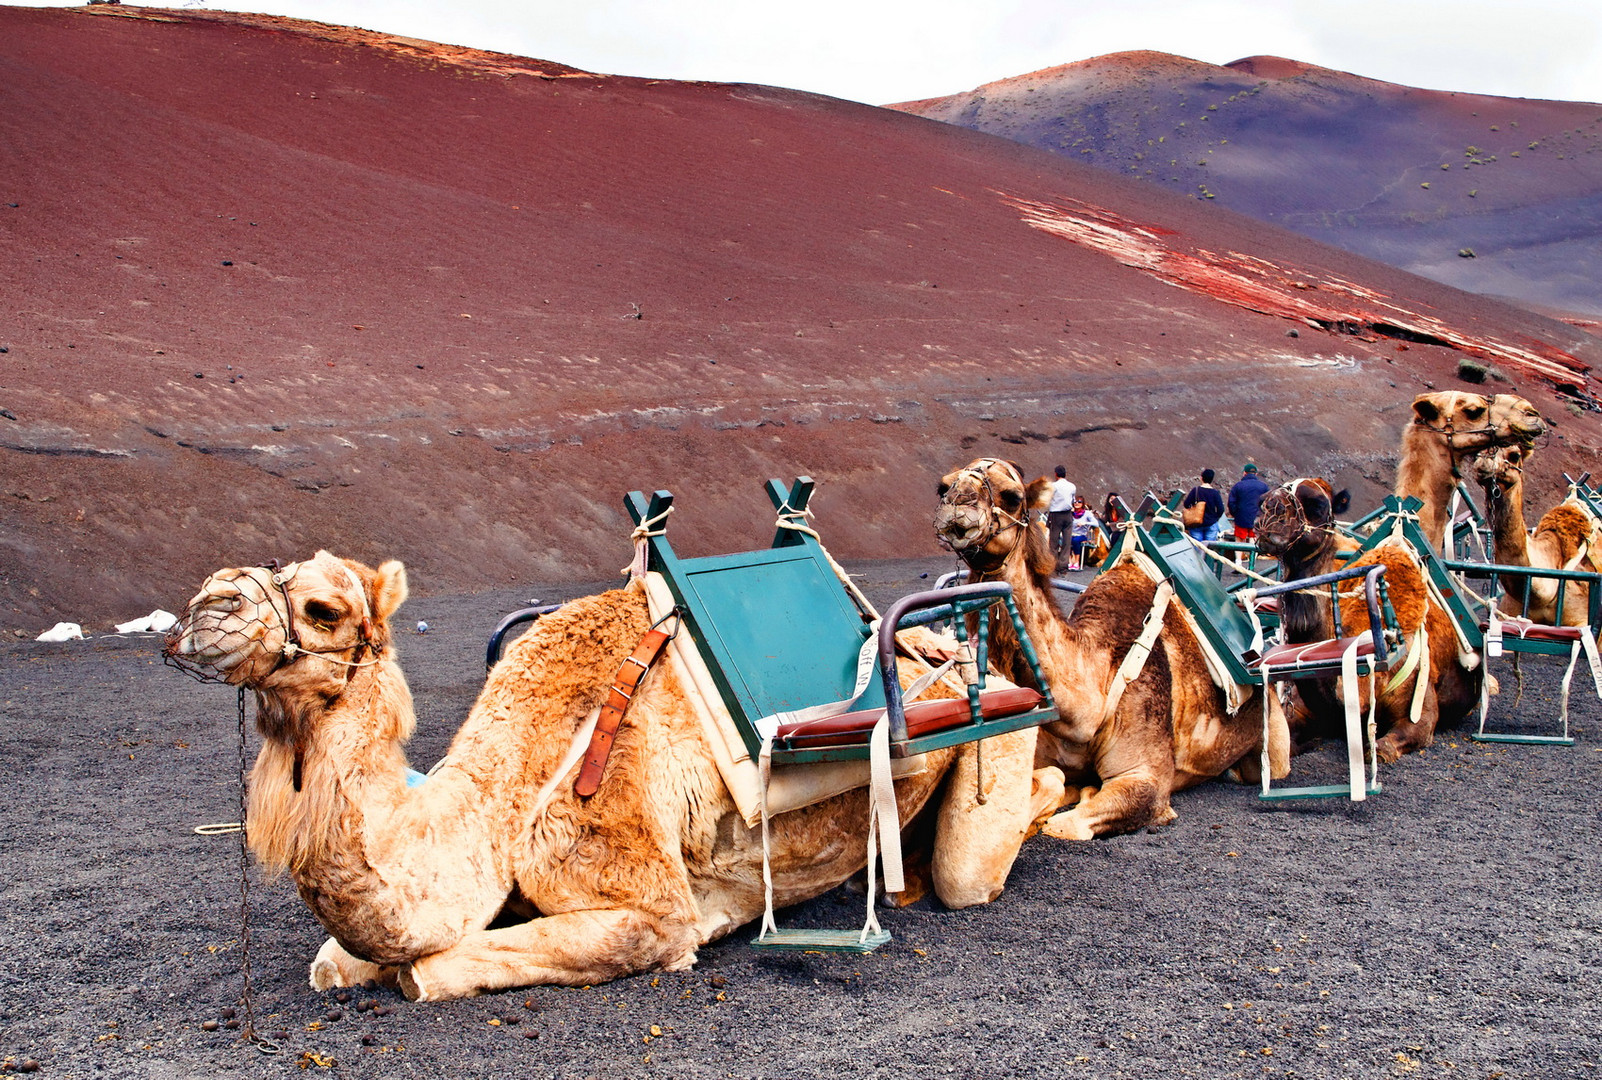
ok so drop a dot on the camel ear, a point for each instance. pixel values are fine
(1425, 409)
(1037, 496)
(389, 590)
(1341, 501)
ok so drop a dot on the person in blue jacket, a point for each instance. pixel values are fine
(1244, 500)
(1212, 501)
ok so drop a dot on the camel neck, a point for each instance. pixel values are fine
(1427, 472)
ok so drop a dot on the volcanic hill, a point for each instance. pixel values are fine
(272, 285)
(1495, 195)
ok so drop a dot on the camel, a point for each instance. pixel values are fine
(1448, 427)
(1170, 729)
(1437, 685)
(493, 872)
(1567, 537)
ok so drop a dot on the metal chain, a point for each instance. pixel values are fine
(246, 997)
(249, 1033)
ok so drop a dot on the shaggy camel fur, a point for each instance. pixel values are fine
(635, 878)
(1448, 427)
(1171, 729)
(1566, 538)
(1296, 525)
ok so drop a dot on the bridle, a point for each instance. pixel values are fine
(293, 650)
(978, 471)
(1449, 429)
(1288, 512)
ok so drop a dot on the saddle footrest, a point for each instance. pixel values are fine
(923, 718)
(1534, 631)
(1315, 654)
(822, 940)
(1523, 740)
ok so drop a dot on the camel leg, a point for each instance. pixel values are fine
(1405, 736)
(578, 948)
(977, 842)
(1124, 803)
(333, 966)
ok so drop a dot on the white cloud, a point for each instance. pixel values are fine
(893, 50)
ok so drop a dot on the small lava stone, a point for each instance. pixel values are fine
(209, 1025)
(334, 1014)
(228, 1014)
(369, 1040)
(231, 1025)
(342, 997)
(382, 1010)
(28, 1065)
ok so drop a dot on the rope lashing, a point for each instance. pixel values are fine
(642, 548)
(795, 520)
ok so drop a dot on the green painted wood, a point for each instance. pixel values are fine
(822, 941)
(1321, 791)
(1529, 740)
(938, 740)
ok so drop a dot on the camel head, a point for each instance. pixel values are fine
(985, 516)
(1297, 519)
(1501, 469)
(302, 626)
(1472, 422)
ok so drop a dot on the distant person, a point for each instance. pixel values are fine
(1059, 514)
(1245, 498)
(1082, 529)
(1112, 510)
(1211, 501)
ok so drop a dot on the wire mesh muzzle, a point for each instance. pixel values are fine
(230, 631)
(1281, 521)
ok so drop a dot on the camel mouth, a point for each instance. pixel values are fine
(959, 528)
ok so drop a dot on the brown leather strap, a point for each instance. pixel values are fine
(617, 703)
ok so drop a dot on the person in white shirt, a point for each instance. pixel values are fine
(1059, 515)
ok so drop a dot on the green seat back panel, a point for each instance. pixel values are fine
(780, 626)
(1215, 609)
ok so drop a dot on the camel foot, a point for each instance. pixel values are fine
(1164, 816)
(1491, 685)
(334, 967)
(1389, 751)
(1067, 826)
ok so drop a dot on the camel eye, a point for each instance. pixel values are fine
(322, 615)
(1474, 412)
(1011, 499)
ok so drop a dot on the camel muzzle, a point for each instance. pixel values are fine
(960, 527)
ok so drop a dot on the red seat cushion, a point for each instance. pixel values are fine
(1315, 652)
(1268, 605)
(1524, 628)
(923, 717)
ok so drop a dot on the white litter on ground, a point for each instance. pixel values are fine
(158, 622)
(62, 631)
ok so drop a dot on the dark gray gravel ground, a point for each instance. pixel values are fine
(1447, 927)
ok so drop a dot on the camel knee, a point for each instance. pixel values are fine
(334, 967)
(1047, 794)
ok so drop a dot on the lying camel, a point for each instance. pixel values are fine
(1169, 729)
(1296, 525)
(1568, 537)
(635, 878)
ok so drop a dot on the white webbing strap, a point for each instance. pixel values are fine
(881, 798)
(1135, 660)
(1353, 701)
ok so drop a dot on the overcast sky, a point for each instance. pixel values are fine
(880, 51)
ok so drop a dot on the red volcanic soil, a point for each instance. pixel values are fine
(271, 286)
(1496, 195)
